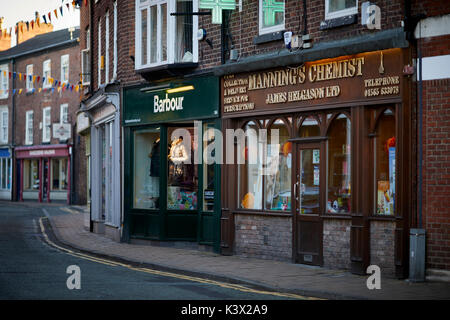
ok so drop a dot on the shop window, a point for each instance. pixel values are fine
(182, 183)
(59, 174)
(208, 168)
(31, 175)
(4, 81)
(338, 165)
(340, 8)
(277, 184)
(271, 15)
(384, 158)
(147, 168)
(250, 173)
(309, 128)
(5, 174)
(162, 38)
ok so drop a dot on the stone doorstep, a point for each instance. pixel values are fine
(437, 275)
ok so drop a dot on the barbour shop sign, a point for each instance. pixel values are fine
(180, 100)
(356, 78)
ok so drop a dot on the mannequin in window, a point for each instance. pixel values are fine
(154, 157)
(178, 155)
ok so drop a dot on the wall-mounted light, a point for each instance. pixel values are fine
(156, 88)
(180, 89)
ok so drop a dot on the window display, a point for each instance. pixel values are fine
(182, 183)
(250, 174)
(338, 166)
(384, 154)
(59, 174)
(309, 181)
(278, 166)
(31, 174)
(147, 164)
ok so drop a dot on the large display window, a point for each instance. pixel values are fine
(31, 175)
(59, 174)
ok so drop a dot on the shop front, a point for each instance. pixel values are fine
(5, 173)
(43, 172)
(331, 184)
(172, 193)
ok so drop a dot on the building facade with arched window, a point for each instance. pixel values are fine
(331, 180)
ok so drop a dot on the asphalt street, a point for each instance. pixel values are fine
(32, 268)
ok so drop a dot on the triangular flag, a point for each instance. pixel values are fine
(40, 89)
(45, 19)
(20, 76)
(28, 26)
(73, 4)
(30, 77)
(76, 88)
(56, 13)
(34, 79)
(20, 91)
(21, 28)
(53, 90)
(38, 22)
(71, 88)
(49, 17)
(43, 79)
(10, 74)
(14, 91)
(38, 78)
(32, 24)
(15, 30)
(14, 75)
(68, 6)
(60, 10)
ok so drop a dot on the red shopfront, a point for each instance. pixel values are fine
(44, 172)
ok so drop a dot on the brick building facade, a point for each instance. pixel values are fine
(43, 99)
(241, 46)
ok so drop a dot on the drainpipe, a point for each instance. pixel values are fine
(13, 129)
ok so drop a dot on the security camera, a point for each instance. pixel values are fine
(288, 39)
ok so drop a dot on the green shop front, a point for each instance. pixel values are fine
(170, 192)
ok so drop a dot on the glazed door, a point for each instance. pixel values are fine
(308, 223)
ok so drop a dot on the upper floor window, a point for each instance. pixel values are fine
(47, 73)
(46, 124)
(85, 60)
(4, 85)
(340, 8)
(271, 15)
(162, 38)
(29, 77)
(65, 68)
(3, 125)
(29, 127)
(64, 113)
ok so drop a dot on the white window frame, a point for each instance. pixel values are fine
(4, 115)
(47, 68)
(276, 28)
(29, 70)
(171, 33)
(4, 81)
(86, 55)
(46, 124)
(340, 13)
(107, 47)
(29, 127)
(64, 113)
(65, 62)
(99, 80)
(115, 43)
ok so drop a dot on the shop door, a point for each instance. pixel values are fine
(308, 223)
(45, 179)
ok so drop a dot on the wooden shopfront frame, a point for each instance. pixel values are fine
(242, 105)
(201, 103)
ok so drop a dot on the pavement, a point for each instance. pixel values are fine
(68, 228)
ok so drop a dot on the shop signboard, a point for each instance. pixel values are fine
(192, 99)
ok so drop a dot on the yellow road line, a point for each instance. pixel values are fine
(170, 274)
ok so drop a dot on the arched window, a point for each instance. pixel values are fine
(309, 128)
(384, 163)
(250, 173)
(338, 165)
(277, 178)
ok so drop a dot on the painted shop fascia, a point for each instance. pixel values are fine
(343, 121)
(99, 121)
(171, 199)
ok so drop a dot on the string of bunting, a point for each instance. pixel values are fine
(54, 84)
(46, 17)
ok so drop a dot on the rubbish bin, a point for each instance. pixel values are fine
(417, 255)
